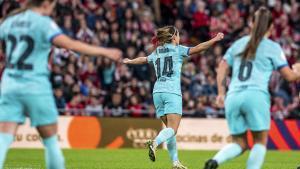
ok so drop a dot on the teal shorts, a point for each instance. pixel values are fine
(167, 103)
(248, 109)
(41, 109)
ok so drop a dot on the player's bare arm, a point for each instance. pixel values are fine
(205, 45)
(64, 41)
(289, 74)
(222, 72)
(136, 61)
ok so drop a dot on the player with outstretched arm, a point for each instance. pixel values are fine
(28, 35)
(252, 60)
(167, 59)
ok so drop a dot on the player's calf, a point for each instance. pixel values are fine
(53, 154)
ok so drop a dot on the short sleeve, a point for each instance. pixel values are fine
(278, 58)
(183, 50)
(150, 58)
(229, 57)
(52, 30)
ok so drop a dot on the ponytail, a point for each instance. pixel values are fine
(261, 24)
(15, 12)
(166, 34)
(30, 4)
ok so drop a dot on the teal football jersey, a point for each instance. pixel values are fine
(167, 61)
(254, 74)
(28, 39)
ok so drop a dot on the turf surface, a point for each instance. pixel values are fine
(138, 159)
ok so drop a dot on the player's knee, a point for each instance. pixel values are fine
(244, 148)
(174, 129)
(261, 138)
(242, 143)
(262, 141)
(47, 131)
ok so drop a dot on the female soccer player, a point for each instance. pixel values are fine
(28, 35)
(247, 105)
(167, 59)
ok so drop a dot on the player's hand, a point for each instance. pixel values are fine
(219, 36)
(126, 61)
(114, 54)
(220, 101)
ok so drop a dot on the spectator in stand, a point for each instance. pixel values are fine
(84, 34)
(69, 81)
(108, 71)
(91, 74)
(67, 26)
(114, 106)
(135, 107)
(293, 108)
(59, 100)
(278, 109)
(144, 96)
(94, 107)
(75, 106)
(201, 21)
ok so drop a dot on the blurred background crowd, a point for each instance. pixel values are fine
(97, 86)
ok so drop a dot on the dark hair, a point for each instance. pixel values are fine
(30, 4)
(166, 34)
(261, 24)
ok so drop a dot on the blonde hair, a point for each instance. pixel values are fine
(166, 34)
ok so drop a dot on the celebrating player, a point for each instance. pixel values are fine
(28, 35)
(167, 59)
(247, 105)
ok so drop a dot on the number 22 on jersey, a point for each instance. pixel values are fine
(20, 64)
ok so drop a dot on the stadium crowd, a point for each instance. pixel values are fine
(97, 86)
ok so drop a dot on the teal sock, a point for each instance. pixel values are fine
(256, 156)
(172, 148)
(53, 153)
(228, 152)
(5, 142)
(164, 135)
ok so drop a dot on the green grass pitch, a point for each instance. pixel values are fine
(138, 159)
